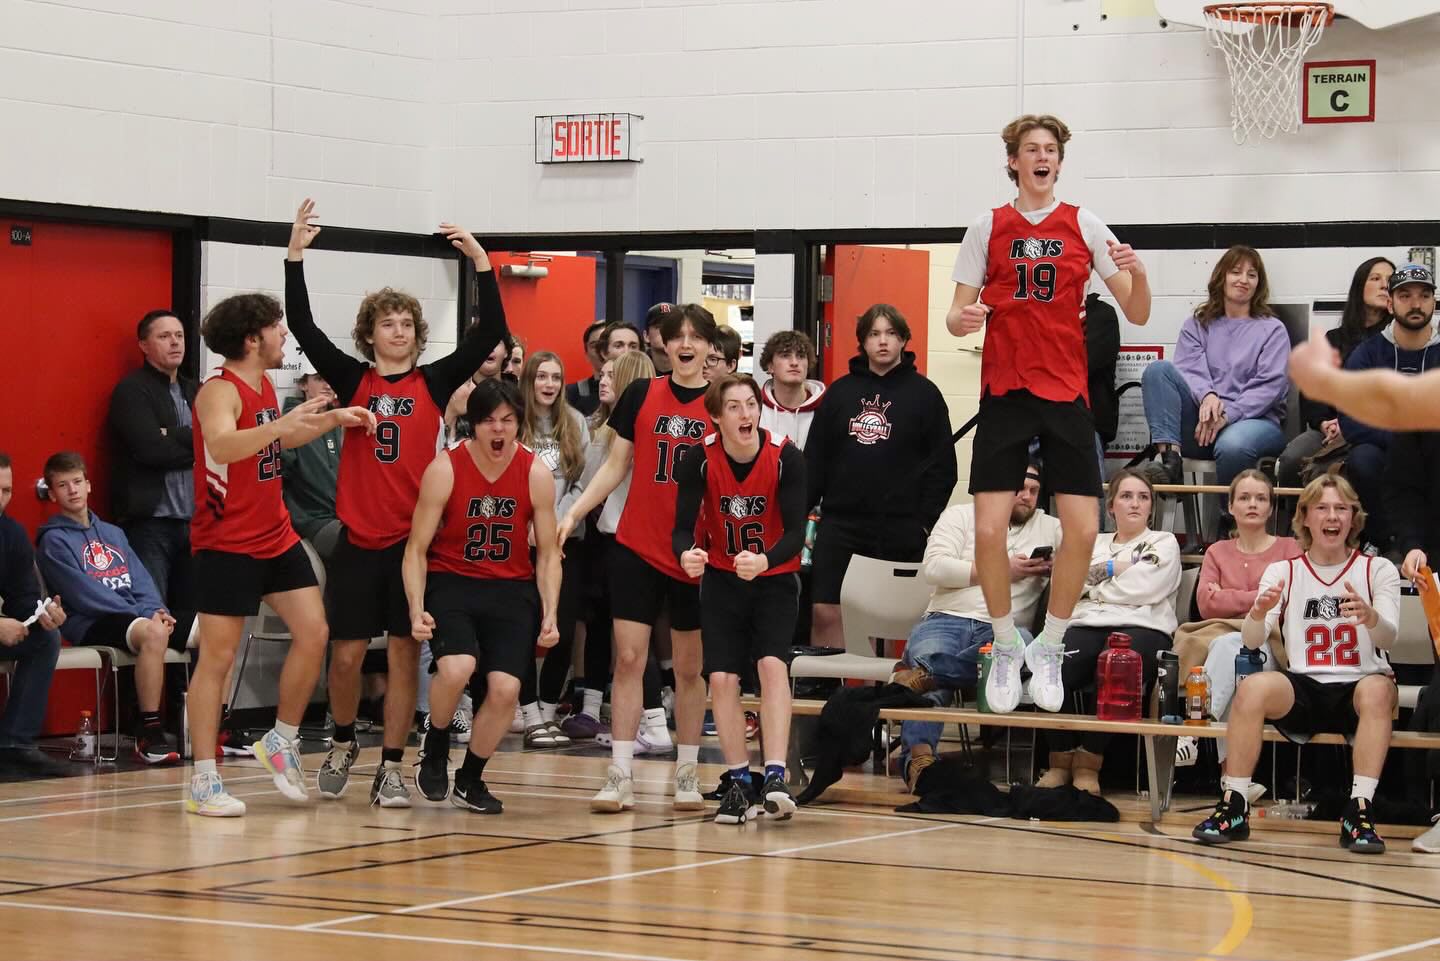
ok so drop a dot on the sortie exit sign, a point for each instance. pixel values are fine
(1339, 91)
(586, 138)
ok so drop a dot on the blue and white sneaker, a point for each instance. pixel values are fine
(282, 759)
(208, 798)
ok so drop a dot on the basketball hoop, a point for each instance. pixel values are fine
(1264, 46)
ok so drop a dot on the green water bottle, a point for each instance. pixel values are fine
(985, 661)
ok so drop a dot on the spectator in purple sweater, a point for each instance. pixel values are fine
(1224, 395)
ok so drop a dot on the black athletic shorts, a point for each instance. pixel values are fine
(1002, 444)
(364, 592)
(640, 591)
(110, 630)
(839, 536)
(496, 622)
(1319, 708)
(741, 622)
(231, 585)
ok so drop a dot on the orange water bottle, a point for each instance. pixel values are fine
(1197, 697)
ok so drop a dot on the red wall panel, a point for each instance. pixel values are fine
(871, 275)
(551, 312)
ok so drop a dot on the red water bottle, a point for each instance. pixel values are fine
(1119, 681)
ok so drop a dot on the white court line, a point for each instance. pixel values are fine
(117, 807)
(179, 785)
(1392, 952)
(474, 899)
(378, 935)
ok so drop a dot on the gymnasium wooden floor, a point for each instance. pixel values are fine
(109, 866)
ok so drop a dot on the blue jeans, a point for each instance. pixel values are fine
(949, 648)
(1172, 415)
(35, 659)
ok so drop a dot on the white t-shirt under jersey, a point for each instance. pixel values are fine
(974, 256)
(1319, 642)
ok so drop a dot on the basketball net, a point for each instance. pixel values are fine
(1264, 46)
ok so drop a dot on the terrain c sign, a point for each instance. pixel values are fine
(1339, 91)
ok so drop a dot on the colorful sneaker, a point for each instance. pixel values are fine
(1230, 821)
(473, 795)
(282, 759)
(737, 805)
(1357, 831)
(1429, 842)
(687, 788)
(388, 789)
(433, 778)
(779, 802)
(208, 798)
(152, 748)
(617, 795)
(1044, 658)
(752, 725)
(335, 769)
(1002, 684)
(583, 727)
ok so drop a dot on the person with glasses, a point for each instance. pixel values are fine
(724, 355)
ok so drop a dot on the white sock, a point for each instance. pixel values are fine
(1055, 628)
(687, 754)
(1240, 785)
(654, 718)
(531, 714)
(1364, 787)
(390, 765)
(288, 731)
(592, 703)
(205, 767)
(547, 710)
(1003, 627)
(622, 755)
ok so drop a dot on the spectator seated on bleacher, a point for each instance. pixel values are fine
(1225, 592)
(1410, 345)
(1336, 609)
(943, 652)
(111, 599)
(1130, 588)
(1224, 395)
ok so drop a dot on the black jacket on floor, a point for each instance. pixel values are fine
(847, 724)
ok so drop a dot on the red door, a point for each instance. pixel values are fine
(873, 275)
(72, 300)
(551, 312)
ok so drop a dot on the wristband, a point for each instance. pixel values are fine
(1110, 567)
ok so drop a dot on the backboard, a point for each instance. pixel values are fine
(1374, 14)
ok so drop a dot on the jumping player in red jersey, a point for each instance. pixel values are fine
(245, 549)
(657, 421)
(748, 488)
(1033, 258)
(378, 484)
(471, 586)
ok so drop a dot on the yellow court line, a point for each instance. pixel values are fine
(1242, 914)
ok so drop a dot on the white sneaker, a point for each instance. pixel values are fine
(687, 788)
(1427, 843)
(1044, 658)
(1187, 751)
(282, 759)
(208, 798)
(667, 702)
(653, 736)
(460, 727)
(1002, 684)
(617, 795)
(517, 723)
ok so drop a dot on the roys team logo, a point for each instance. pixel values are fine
(386, 406)
(1034, 248)
(678, 425)
(871, 424)
(743, 506)
(491, 506)
(1322, 609)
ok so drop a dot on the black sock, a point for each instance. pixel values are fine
(437, 741)
(473, 768)
(396, 754)
(150, 723)
(667, 677)
(344, 733)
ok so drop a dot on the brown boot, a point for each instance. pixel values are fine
(1087, 771)
(1058, 773)
(914, 767)
(917, 679)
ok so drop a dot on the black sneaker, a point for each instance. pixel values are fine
(433, 778)
(779, 802)
(1174, 466)
(152, 748)
(1230, 821)
(736, 804)
(719, 793)
(475, 796)
(1357, 831)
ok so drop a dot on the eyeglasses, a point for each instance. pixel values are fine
(714, 360)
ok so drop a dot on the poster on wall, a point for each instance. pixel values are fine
(1133, 434)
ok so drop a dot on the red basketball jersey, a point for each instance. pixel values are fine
(379, 480)
(485, 527)
(665, 429)
(744, 515)
(1035, 284)
(239, 507)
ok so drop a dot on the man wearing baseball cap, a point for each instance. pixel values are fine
(1381, 397)
(654, 342)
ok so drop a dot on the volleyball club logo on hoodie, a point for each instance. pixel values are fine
(106, 564)
(871, 424)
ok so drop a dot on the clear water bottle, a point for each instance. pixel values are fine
(1119, 681)
(1287, 810)
(85, 739)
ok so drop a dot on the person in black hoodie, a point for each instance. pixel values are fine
(879, 461)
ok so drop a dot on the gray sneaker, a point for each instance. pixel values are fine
(335, 771)
(388, 789)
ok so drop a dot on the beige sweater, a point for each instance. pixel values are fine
(950, 559)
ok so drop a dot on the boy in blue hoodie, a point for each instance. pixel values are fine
(111, 599)
(1410, 345)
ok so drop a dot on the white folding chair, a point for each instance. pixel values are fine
(878, 600)
(1413, 645)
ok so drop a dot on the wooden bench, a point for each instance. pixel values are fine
(1159, 739)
